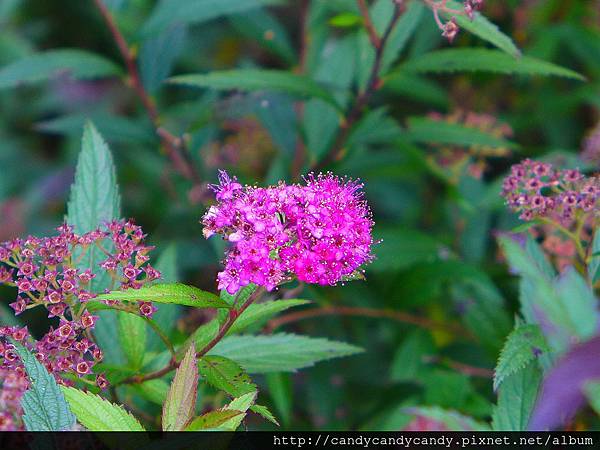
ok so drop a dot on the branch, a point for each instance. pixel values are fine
(364, 312)
(372, 32)
(174, 364)
(363, 98)
(172, 144)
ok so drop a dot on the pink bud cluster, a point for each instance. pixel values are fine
(319, 232)
(46, 273)
(64, 350)
(536, 189)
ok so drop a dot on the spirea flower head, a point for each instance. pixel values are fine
(537, 189)
(318, 232)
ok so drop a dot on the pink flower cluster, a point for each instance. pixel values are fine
(62, 351)
(319, 232)
(45, 272)
(536, 189)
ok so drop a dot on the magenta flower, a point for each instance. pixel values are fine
(319, 232)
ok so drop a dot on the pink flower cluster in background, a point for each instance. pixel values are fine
(537, 189)
(318, 232)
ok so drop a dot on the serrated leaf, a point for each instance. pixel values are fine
(564, 308)
(78, 64)
(95, 200)
(243, 404)
(480, 26)
(44, 406)
(280, 352)
(259, 313)
(180, 404)
(132, 336)
(265, 413)
(172, 293)
(523, 345)
(98, 414)
(168, 12)
(516, 399)
(249, 80)
(483, 60)
(212, 420)
(226, 375)
(422, 129)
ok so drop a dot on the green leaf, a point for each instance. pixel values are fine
(483, 60)
(180, 404)
(402, 248)
(170, 293)
(265, 413)
(280, 352)
(516, 399)
(167, 315)
(94, 198)
(259, 313)
(264, 28)
(522, 346)
(249, 80)
(451, 420)
(594, 264)
(44, 406)
(566, 303)
(226, 375)
(94, 201)
(132, 336)
(422, 129)
(281, 391)
(158, 55)
(346, 20)
(212, 420)
(242, 295)
(243, 404)
(480, 26)
(154, 391)
(98, 414)
(168, 12)
(78, 64)
(409, 360)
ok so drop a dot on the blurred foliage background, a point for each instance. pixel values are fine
(431, 148)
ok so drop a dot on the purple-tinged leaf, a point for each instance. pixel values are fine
(563, 388)
(180, 404)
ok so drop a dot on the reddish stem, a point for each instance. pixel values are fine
(172, 144)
